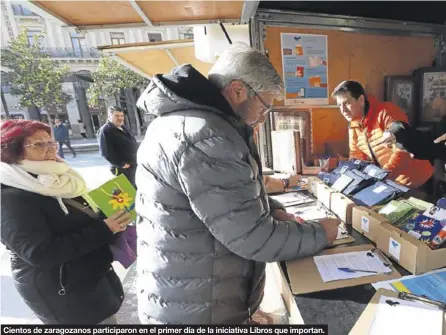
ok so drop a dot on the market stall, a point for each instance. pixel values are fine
(365, 49)
(89, 15)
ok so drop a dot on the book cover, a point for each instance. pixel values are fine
(115, 195)
(423, 228)
(396, 211)
(432, 286)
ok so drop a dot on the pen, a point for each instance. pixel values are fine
(355, 270)
(413, 297)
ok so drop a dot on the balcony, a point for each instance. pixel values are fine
(72, 53)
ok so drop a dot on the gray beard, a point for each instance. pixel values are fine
(242, 110)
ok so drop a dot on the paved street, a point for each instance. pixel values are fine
(13, 310)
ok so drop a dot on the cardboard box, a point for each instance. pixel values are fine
(323, 194)
(342, 206)
(367, 222)
(312, 183)
(412, 254)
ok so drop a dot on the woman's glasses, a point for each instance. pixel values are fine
(43, 145)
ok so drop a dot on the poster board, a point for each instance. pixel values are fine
(367, 58)
(305, 70)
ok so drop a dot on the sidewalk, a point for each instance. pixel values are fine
(88, 145)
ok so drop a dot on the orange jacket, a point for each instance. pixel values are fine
(368, 131)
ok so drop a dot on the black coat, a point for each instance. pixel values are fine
(61, 264)
(118, 147)
(420, 144)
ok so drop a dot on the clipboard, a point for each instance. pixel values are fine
(305, 277)
(365, 321)
(347, 240)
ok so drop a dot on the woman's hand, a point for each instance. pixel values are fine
(118, 222)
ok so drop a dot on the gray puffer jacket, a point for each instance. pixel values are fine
(205, 228)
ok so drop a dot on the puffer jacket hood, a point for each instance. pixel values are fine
(182, 89)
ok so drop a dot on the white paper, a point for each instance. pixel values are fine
(386, 284)
(292, 198)
(342, 183)
(380, 189)
(343, 169)
(436, 213)
(388, 209)
(372, 173)
(414, 234)
(328, 265)
(365, 224)
(394, 249)
(310, 213)
(406, 317)
(342, 233)
(315, 213)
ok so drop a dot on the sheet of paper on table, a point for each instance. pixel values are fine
(293, 198)
(310, 212)
(397, 316)
(316, 213)
(328, 265)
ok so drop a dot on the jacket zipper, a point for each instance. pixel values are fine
(62, 291)
(375, 160)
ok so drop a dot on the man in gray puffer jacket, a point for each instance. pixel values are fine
(206, 226)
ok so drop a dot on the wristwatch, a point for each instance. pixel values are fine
(286, 183)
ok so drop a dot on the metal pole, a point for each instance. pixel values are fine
(5, 106)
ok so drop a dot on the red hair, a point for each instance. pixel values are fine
(12, 138)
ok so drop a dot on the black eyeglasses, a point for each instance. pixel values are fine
(267, 108)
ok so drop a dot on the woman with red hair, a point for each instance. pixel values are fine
(60, 258)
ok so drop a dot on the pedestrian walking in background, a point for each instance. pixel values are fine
(62, 136)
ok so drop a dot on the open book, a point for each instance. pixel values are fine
(115, 195)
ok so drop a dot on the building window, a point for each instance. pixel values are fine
(20, 10)
(32, 34)
(117, 38)
(79, 43)
(155, 37)
(186, 33)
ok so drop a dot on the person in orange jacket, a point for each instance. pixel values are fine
(369, 118)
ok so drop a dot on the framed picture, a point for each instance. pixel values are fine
(431, 87)
(401, 91)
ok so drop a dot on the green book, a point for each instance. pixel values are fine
(115, 195)
(397, 211)
(419, 204)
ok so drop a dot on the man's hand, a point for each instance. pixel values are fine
(331, 228)
(126, 166)
(441, 139)
(281, 215)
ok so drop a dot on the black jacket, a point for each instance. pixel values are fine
(117, 146)
(61, 264)
(419, 143)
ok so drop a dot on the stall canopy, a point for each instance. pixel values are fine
(152, 58)
(88, 15)
(410, 11)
